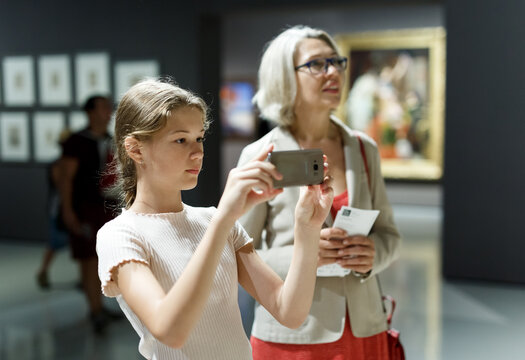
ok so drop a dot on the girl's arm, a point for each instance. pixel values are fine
(171, 316)
(289, 301)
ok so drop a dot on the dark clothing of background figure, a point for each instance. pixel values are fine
(88, 200)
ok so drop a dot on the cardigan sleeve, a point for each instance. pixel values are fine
(384, 233)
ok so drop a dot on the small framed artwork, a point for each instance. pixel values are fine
(14, 136)
(19, 82)
(54, 79)
(128, 73)
(237, 112)
(47, 130)
(92, 76)
(78, 120)
(395, 92)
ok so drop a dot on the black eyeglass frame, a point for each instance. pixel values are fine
(328, 61)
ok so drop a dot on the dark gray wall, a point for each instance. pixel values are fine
(184, 36)
(241, 55)
(170, 32)
(483, 235)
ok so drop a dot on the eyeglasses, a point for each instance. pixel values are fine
(318, 66)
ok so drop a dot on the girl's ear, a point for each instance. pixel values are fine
(133, 149)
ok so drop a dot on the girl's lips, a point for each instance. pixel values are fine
(331, 90)
(193, 171)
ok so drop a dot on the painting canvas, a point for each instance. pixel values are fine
(54, 79)
(128, 73)
(47, 129)
(92, 76)
(78, 120)
(14, 136)
(237, 112)
(19, 82)
(394, 92)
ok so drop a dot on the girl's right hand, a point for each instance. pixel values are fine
(249, 185)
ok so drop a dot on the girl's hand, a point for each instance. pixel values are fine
(249, 185)
(315, 202)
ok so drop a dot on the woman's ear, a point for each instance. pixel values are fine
(133, 149)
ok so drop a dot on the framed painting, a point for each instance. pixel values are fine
(395, 92)
(54, 75)
(92, 76)
(237, 114)
(78, 120)
(128, 73)
(19, 81)
(14, 136)
(47, 130)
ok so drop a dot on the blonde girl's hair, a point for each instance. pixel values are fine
(275, 97)
(142, 112)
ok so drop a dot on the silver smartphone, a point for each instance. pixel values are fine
(298, 167)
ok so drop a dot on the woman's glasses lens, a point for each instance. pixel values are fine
(318, 66)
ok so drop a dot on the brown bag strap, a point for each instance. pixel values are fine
(365, 161)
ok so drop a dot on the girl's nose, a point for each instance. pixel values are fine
(197, 154)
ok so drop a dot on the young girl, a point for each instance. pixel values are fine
(174, 268)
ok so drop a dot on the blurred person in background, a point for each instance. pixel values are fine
(57, 238)
(86, 204)
(301, 78)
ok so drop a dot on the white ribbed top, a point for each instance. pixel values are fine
(166, 242)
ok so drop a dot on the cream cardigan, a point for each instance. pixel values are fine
(333, 295)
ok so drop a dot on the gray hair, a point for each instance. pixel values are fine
(275, 97)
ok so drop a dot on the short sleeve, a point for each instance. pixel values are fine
(117, 243)
(239, 236)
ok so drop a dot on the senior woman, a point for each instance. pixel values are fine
(301, 77)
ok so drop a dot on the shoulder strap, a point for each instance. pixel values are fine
(365, 161)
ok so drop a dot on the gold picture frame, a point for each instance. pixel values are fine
(395, 92)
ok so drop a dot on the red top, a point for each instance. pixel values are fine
(347, 347)
(339, 201)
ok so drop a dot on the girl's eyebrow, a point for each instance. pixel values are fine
(182, 131)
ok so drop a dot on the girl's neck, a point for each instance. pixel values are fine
(148, 202)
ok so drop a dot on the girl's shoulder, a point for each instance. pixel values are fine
(122, 222)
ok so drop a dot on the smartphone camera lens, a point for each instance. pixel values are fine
(316, 167)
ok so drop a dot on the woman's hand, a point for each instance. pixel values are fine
(351, 252)
(358, 254)
(249, 185)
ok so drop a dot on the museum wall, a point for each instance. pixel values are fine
(483, 164)
(185, 39)
(125, 30)
(483, 236)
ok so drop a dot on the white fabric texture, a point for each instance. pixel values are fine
(166, 242)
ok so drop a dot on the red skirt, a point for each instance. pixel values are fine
(347, 347)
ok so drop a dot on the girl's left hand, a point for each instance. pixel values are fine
(315, 202)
